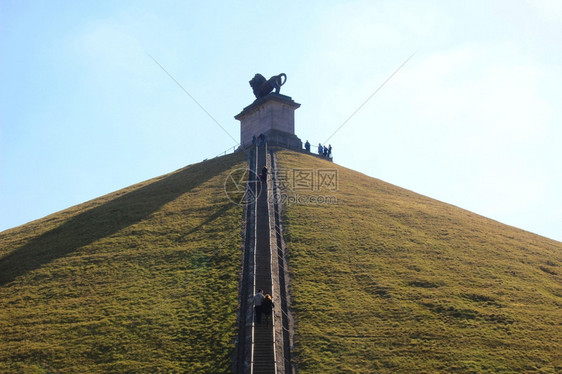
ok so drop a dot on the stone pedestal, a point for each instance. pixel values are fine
(273, 116)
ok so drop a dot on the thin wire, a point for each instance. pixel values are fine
(369, 98)
(192, 98)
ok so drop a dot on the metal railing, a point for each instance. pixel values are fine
(274, 143)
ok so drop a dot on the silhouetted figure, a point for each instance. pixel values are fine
(262, 140)
(264, 174)
(325, 151)
(307, 146)
(258, 301)
(320, 150)
(267, 307)
(330, 150)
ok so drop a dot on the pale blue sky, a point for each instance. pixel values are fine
(473, 119)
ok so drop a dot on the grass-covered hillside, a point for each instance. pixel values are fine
(389, 281)
(143, 280)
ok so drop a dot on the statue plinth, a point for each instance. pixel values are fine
(273, 116)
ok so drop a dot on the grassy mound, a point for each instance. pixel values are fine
(389, 281)
(141, 280)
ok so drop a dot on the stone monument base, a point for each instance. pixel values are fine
(273, 116)
(283, 139)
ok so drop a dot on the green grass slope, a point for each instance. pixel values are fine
(143, 280)
(389, 281)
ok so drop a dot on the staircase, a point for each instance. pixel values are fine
(263, 350)
(264, 347)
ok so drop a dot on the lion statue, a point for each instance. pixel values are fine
(262, 87)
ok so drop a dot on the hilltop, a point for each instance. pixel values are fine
(382, 280)
(389, 281)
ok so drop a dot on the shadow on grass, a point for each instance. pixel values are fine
(220, 211)
(109, 218)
